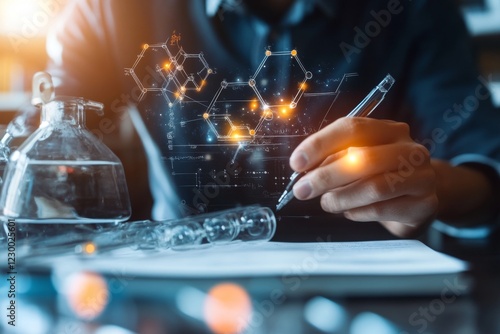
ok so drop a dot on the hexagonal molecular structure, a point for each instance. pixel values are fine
(146, 70)
(280, 80)
(236, 113)
(191, 71)
(156, 69)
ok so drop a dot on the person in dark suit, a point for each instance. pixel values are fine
(429, 155)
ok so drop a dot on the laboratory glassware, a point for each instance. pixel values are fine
(62, 173)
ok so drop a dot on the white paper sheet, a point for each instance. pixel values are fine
(395, 257)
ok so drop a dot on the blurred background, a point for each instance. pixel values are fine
(23, 29)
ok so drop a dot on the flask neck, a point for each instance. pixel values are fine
(71, 112)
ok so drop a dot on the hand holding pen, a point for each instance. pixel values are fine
(369, 170)
(363, 109)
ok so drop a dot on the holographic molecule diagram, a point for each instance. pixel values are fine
(242, 111)
(157, 69)
(263, 107)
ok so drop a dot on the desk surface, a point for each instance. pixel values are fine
(465, 304)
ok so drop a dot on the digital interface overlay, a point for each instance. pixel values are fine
(226, 140)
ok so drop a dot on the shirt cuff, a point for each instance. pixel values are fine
(477, 232)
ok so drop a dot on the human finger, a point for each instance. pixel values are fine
(359, 163)
(375, 189)
(408, 210)
(343, 133)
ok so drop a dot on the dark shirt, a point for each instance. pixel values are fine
(204, 130)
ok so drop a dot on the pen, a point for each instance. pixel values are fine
(363, 109)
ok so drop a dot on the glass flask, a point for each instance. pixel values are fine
(20, 127)
(62, 173)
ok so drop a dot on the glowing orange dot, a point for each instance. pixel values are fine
(293, 53)
(87, 294)
(145, 46)
(227, 308)
(89, 248)
(253, 105)
(268, 53)
(353, 158)
(252, 132)
(303, 86)
(284, 110)
(183, 89)
(206, 115)
(167, 65)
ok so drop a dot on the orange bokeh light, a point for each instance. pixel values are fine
(227, 308)
(254, 105)
(89, 248)
(87, 294)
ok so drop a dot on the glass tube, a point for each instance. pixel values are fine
(242, 224)
(250, 223)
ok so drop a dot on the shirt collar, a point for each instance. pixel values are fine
(328, 7)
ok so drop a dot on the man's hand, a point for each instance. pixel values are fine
(371, 170)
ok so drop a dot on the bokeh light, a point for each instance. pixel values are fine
(89, 248)
(326, 315)
(87, 294)
(227, 308)
(369, 322)
(14, 15)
